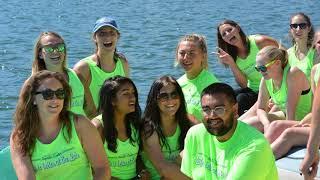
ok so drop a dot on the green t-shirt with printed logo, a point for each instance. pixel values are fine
(246, 155)
(192, 89)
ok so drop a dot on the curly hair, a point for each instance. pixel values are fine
(26, 116)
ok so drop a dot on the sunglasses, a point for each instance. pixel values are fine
(301, 26)
(167, 96)
(58, 48)
(219, 111)
(48, 94)
(264, 68)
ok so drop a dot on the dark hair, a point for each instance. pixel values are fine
(310, 34)
(220, 88)
(152, 119)
(38, 62)
(26, 117)
(107, 95)
(230, 49)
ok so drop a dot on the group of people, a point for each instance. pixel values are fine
(86, 122)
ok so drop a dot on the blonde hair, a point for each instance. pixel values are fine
(200, 40)
(273, 52)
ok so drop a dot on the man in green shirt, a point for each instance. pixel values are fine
(222, 147)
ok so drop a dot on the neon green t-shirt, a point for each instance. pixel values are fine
(247, 65)
(123, 161)
(77, 98)
(170, 155)
(305, 65)
(98, 76)
(192, 89)
(246, 155)
(279, 97)
(60, 159)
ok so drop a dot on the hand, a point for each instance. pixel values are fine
(144, 175)
(309, 165)
(224, 57)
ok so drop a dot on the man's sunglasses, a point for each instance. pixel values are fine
(48, 94)
(301, 26)
(264, 68)
(58, 48)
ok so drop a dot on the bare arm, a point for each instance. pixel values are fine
(22, 164)
(262, 103)
(297, 82)
(164, 168)
(93, 147)
(263, 41)
(226, 59)
(311, 159)
(83, 72)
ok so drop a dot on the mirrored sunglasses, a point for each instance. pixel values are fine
(58, 48)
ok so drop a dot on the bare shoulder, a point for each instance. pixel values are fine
(263, 41)
(82, 123)
(125, 63)
(295, 74)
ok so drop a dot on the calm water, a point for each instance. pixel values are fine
(149, 34)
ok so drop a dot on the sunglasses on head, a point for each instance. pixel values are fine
(264, 68)
(167, 96)
(300, 25)
(50, 49)
(48, 94)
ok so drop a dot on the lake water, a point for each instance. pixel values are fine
(150, 30)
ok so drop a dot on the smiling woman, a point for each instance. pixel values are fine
(106, 62)
(50, 54)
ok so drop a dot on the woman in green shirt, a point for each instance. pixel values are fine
(118, 125)
(238, 52)
(165, 125)
(49, 142)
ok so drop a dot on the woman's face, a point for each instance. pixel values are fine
(230, 34)
(266, 66)
(125, 100)
(49, 97)
(299, 28)
(106, 39)
(168, 100)
(190, 57)
(52, 51)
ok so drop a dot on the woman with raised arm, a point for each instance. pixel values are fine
(50, 53)
(118, 125)
(49, 142)
(238, 52)
(192, 56)
(165, 125)
(106, 62)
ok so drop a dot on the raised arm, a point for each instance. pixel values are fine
(83, 72)
(166, 169)
(93, 146)
(21, 163)
(227, 60)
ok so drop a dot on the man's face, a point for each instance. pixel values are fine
(219, 114)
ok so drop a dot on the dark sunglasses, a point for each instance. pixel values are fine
(264, 68)
(48, 94)
(301, 26)
(58, 48)
(167, 96)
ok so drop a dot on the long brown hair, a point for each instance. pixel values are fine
(26, 117)
(38, 62)
(310, 34)
(230, 49)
